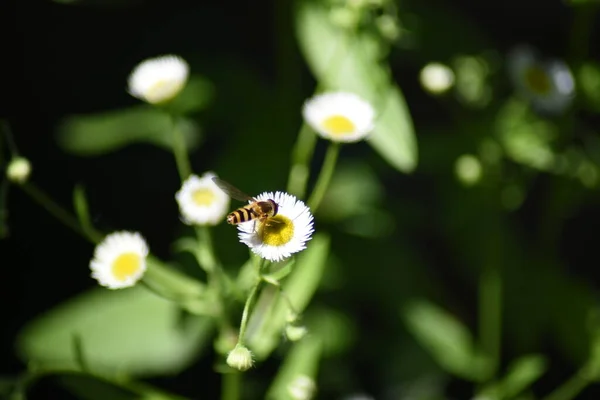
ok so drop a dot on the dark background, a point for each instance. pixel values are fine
(69, 59)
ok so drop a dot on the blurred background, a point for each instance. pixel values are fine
(428, 235)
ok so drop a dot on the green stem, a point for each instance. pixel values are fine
(231, 385)
(180, 152)
(324, 176)
(490, 314)
(246, 313)
(59, 213)
(302, 154)
(572, 387)
(206, 254)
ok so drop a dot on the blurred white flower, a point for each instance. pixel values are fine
(119, 260)
(18, 170)
(157, 80)
(201, 201)
(282, 235)
(548, 85)
(302, 388)
(436, 78)
(339, 116)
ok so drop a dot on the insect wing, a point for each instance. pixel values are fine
(232, 191)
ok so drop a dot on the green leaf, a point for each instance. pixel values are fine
(95, 134)
(129, 331)
(354, 189)
(195, 96)
(521, 374)
(341, 61)
(270, 312)
(298, 372)
(448, 341)
(588, 77)
(89, 387)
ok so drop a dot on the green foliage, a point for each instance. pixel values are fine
(446, 339)
(130, 331)
(344, 60)
(271, 312)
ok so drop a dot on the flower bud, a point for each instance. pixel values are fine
(295, 333)
(18, 170)
(240, 358)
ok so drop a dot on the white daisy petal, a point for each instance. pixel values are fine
(119, 260)
(159, 79)
(201, 202)
(282, 235)
(339, 116)
(549, 86)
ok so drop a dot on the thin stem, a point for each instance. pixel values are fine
(282, 293)
(59, 213)
(231, 385)
(572, 387)
(10, 142)
(302, 154)
(324, 176)
(490, 311)
(206, 254)
(180, 152)
(246, 313)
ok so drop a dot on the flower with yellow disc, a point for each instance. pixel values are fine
(339, 116)
(284, 234)
(119, 260)
(201, 202)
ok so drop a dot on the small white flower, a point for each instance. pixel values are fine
(159, 79)
(18, 170)
(282, 235)
(549, 85)
(339, 116)
(201, 201)
(119, 260)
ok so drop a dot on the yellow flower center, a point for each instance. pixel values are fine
(126, 265)
(538, 80)
(338, 125)
(163, 90)
(276, 231)
(203, 197)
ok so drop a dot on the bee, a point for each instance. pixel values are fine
(258, 210)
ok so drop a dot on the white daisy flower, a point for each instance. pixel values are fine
(339, 116)
(159, 79)
(119, 260)
(549, 85)
(282, 235)
(201, 202)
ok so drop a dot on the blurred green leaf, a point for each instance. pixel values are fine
(526, 138)
(95, 134)
(124, 331)
(90, 387)
(195, 96)
(588, 77)
(448, 341)
(521, 374)
(342, 61)
(354, 189)
(269, 315)
(335, 329)
(297, 376)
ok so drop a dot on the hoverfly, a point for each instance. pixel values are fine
(258, 210)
